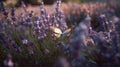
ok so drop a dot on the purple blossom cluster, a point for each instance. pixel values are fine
(58, 17)
(25, 33)
(94, 48)
(41, 24)
(27, 36)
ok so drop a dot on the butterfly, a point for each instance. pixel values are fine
(57, 32)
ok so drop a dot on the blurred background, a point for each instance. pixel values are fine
(73, 15)
(36, 2)
(74, 10)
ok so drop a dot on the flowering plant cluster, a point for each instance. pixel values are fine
(27, 36)
(46, 41)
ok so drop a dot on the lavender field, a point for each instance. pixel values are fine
(67, 33)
